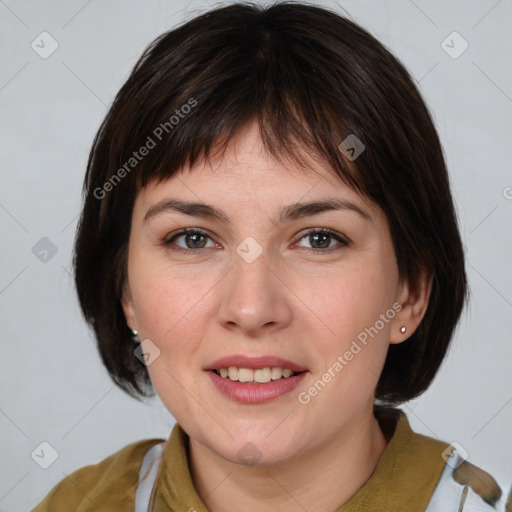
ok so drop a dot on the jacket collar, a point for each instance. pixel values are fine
(404, 479)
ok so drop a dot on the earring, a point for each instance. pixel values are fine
(402, 329)
(135, 336)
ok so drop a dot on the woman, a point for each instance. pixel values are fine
(268, 239)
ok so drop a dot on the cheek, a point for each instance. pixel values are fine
(348, 301)
(353, 337)
(172, 307)
(169, 312)
(161, 295)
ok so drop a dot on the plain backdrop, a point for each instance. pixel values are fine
(53, 386)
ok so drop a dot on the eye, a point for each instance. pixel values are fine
(321, 239)
(194, 240)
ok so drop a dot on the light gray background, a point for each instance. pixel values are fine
(53, 386)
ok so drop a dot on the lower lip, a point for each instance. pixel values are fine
(255, 393)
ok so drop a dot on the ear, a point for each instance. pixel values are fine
(127, 305)
(414, 304)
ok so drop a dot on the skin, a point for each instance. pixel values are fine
(292, 302)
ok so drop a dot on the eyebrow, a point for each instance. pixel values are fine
(291, 212)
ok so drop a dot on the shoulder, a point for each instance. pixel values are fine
(108, 485)
(465, 487)
(445, 480)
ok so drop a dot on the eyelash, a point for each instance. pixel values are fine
(196, 231)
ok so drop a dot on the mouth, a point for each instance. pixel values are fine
(255, 380)
(255, 376)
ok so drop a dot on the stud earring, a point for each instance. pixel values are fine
(402, 329)
(135, 336)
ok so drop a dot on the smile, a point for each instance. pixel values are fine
(252, 391)
(260, 375)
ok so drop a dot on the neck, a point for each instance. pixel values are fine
(333, 472)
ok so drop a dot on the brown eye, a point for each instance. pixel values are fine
(196, 240)
(193, 240)
(321, 239)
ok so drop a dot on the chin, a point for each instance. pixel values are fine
(257, 451)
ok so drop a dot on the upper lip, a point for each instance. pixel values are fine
(241, 361)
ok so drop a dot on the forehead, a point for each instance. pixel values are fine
(245, 172)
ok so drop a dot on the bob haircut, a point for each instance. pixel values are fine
(310, 78)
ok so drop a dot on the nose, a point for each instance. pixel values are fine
(254, 299)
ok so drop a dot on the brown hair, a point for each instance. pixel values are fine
(311, 78)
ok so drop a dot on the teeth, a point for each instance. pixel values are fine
(261, 375)
(277, 373)
(245, 375)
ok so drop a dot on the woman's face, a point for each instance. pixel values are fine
(255, 285)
